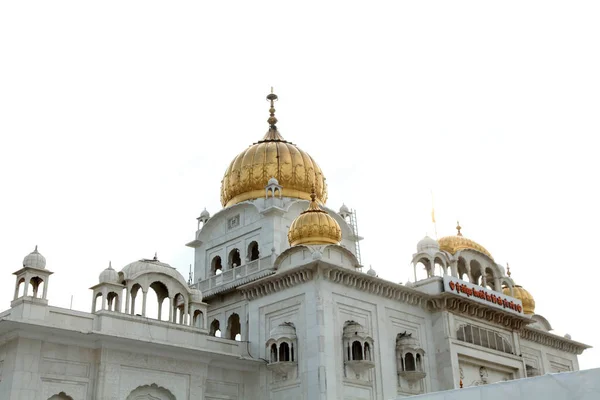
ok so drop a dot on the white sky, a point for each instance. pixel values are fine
(119, 118)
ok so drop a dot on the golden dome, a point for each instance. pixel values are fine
(272, 157)
(526, 298)
(314, 226)
(452, 244)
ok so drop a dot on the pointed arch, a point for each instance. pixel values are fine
(234, 327)
(60, 396)
(153, 392)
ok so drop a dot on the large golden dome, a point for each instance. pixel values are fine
(526, 298)
(314, 226)
(452, 244)
(272, 157)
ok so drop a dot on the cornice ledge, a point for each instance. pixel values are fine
(552, 340)
(238, 282)
(278, 282)
(459, 305)
(373, 285)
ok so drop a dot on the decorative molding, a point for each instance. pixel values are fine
(237, 282)
(554, 341)
(462, 306)
(277, 282)
(374, 285)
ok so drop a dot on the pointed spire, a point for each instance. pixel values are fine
(35, 250)
(155, 256)
(458, 228)
(272, 120)
(110, 265)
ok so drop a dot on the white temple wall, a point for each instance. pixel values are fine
(384, 319)
(548, 359)
(272, 310)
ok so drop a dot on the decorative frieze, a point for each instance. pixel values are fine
(550, 340)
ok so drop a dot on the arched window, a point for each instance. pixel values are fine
(215, 266)
(419, 362)
(273, 353)
(476, 273)
(253, 252)
(214, 328)
(462, 269)
(483, 337)
(21, 289)
(234, 258)
(136, 300)
(357, 353)
(179, 309)
(284, 352)
(113, 301)
(156, 306)
(198, 319)
(98, 302)
(36, 285)
(233, 327)
(409, 362)
(367, 352)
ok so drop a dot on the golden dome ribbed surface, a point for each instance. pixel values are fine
(452, 244)
(249, 172)
(526, 298)
(314, 226)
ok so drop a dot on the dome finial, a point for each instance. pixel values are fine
(272, 120)
(458, 228)
(155, 256)
(313, 194)
(507, 270)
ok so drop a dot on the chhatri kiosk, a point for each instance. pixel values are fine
(279, 308)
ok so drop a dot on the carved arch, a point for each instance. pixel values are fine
(150, 392)
(60, 396)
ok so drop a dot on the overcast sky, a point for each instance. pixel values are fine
(119, 118)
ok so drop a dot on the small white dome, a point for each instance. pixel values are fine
(344, 209)
(567, 336)
(353, 328)
(371, 271)
(273, 181)
(145, 266)
(196, 296)
(34, 260)
(285, 330)
(427, 243)
(204, 214)
(109, 275)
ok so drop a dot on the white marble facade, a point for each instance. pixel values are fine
(266, 321)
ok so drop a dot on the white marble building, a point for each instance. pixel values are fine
(280, 309)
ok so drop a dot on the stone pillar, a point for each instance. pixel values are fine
(144, 292)
(160, 302)
(126, 300)
(46, 283)
(94, 301)
(171, 314)
(104, 299)
(26, 285)
(16, 289)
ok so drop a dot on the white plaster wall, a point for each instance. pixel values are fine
(550, 360)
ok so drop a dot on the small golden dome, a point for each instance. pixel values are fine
(526, 298)
(452, 244)
(314, 226)
(272, 157)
